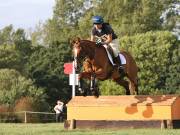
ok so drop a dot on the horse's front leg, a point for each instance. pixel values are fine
(85, 75)
(93, 85)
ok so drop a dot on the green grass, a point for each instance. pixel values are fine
(58, 129)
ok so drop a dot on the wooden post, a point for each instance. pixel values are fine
(73, 124)
(169, 124)
(163, 124)
(25, 117)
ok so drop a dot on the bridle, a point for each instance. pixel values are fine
(78, 57)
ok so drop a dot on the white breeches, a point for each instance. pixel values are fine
(115, 47)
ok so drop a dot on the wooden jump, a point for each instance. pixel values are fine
(124, 111)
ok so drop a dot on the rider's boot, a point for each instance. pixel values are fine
(120, 66)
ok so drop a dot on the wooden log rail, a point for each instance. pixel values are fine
(124, 111)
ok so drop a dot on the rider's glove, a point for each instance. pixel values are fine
(99, 42)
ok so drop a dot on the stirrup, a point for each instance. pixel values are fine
(115, 65)
(120, 67)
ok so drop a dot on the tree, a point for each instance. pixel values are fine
(170, 18)
(13, 86)
(38, 35)
(173, 77)
(15, 48)
(45, 67)
(156, 54)
(64, 24)
(130, 17)
(65, 17)
(22, 47)
(9, 58)
(6, 35)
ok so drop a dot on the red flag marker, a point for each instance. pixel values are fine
(68, 68)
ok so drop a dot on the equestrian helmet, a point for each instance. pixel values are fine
(97, 20)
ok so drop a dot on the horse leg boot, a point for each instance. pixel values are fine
(80, 86)
(92, 83)
(120, 66)
(93, 88)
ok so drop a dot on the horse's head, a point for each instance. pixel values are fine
(76, 47)
(77, 51)
(82, 49)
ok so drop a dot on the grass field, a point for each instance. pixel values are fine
(58, 129)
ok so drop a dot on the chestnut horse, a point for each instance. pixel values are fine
(97, 65)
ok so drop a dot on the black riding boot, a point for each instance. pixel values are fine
(120, 67)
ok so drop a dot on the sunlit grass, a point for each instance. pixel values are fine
(58, 129)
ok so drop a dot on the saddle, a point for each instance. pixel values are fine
(111, 56)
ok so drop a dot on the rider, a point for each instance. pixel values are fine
(104, 30)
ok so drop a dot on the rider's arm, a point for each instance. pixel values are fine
(92, 38)
(108, 39)
(55, 108)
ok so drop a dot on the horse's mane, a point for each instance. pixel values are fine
(89, 41)
(86, 40)
(88, 44)
(89, 47)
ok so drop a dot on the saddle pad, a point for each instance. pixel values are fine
(123, 59)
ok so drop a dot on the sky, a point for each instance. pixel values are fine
(25, 14)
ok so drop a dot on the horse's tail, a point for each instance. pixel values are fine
(130, 56)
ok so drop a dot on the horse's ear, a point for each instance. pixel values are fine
(78, 39)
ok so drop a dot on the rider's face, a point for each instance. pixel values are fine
(98, 26)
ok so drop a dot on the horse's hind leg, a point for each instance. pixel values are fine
(133, 88)
(123, 83)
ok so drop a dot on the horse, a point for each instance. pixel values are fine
(96, 65)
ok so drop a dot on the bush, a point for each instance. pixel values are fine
(13, 86)
(156, 54)
(7, 115)
(109, 87)
(24, 105)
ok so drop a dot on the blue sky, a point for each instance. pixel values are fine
(25, 13)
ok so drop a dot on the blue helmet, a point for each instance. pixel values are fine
(97, 20)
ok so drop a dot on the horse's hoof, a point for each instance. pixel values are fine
(84, 93)
(81, 90)
(92, 89)
(96, 96)
(95, 93)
